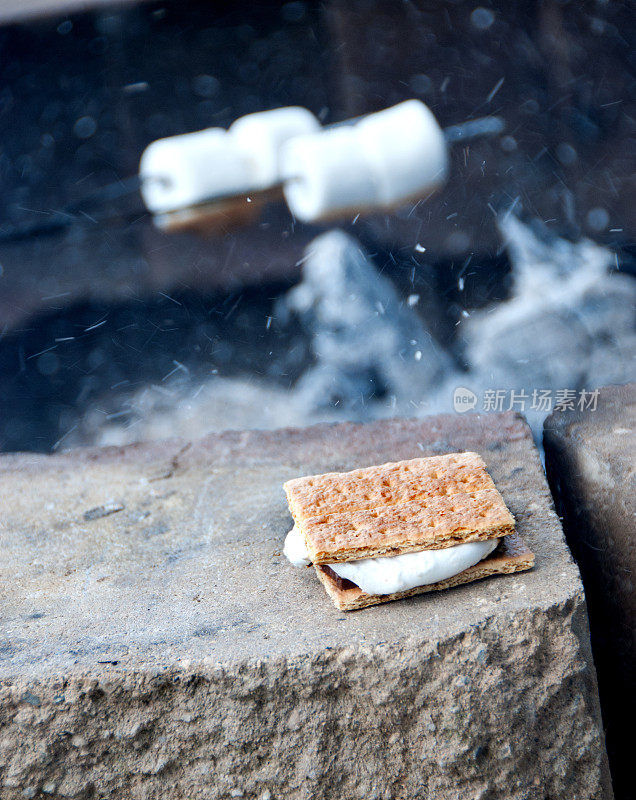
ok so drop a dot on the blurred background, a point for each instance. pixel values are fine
(517, 276)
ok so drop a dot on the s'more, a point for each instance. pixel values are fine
(399, 529)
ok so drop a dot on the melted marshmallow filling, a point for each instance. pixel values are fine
(397, 573)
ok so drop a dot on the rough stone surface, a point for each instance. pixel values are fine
(591, 468)
(155, 644)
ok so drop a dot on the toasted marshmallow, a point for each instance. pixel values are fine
(377, 163)
(184, 171)
(295, 550)
(392, 574)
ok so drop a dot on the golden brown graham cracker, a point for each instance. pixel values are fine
(399, 507)
(386, 484)
(511, 555)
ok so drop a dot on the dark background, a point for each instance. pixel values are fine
(82, 95)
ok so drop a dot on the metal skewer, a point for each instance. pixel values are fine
(59, 221)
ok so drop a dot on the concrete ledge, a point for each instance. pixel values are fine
(590, 465)
(155, 644)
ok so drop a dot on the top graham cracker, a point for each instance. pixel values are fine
(399, 507)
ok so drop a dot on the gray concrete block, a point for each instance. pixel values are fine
(155, 644)
(590, 464)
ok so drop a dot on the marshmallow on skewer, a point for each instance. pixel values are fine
(260, 136)
(377, 163)
(407, 151)
(326, 174)
(183, 171)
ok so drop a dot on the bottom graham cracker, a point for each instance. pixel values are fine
(512, 555)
